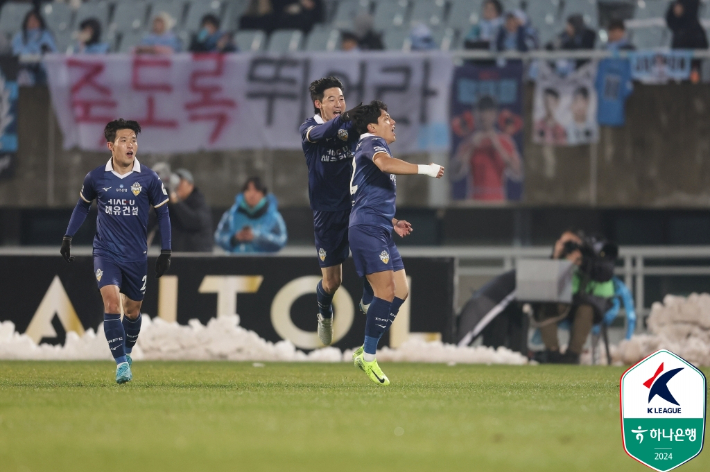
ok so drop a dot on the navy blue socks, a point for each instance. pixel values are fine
(394, 309)
(113, 328)
(367, 293)
(378, 316)
(132, 328)
(325, 301)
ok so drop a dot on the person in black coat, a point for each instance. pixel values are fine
(682, 20)
(190, 216)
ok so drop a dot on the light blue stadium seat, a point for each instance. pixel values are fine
(233, 10)
(463, 14)
(347, 10)
(323, 40)
(129, 16)
(396, 39)
(58, 16)
(175, 9)
(197, 10)
(650, 37)
(129, 40)
(63, 40)
(284, 41)
(546, 12)
(250, 40)
(98, 10)
(444, 38)
(650, 9)
(11, 17)
(429, 12)
(392, 14)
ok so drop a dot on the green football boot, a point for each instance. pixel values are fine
(123, 373)
(358, 352)
(372, 370)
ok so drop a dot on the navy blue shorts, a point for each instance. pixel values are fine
(374, 250)
(331, 234)
(130, 277)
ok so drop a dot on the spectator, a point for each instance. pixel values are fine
(421, 38)
(190, 217)
(617, 39)
(161, 40)
(368, 38)
(34, 38)
(575, 36)
(260, 15)
(483, 35)
(253, 224)
(349, 41)
(300, 14)
(89, 38)
(515, 35)
(682, 20)
(210, 38)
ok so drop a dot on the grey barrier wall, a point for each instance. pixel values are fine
(657, 160)
(274, 296)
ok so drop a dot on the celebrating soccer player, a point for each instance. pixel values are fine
(373, 188)
(124, 191)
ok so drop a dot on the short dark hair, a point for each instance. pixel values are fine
(210, 18)
(486, 102)
(582, 92)
(113, 126)
(496, 3)
(95, 26)
(616, 24)
(257, 183)
(318, 88)
(366, 114)
(553, 92)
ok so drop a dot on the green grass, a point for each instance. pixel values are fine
(71, 416)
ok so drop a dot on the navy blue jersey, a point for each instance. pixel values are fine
(329, 148)
(373, 192)
(123, 203)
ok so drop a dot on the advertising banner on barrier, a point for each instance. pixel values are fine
(274, 296)
(565, 107)
(487, 132)
(660, 67)
(8, 115)
(190, 102)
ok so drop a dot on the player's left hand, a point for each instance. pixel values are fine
(403, 228)
(66, 249)
(163, 262)
(348, 115)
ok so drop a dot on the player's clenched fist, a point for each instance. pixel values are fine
(163, 263)
(66, 249)
(432, 170)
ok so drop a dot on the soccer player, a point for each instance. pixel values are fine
(328, 143)
(124, 191)
(373, 188)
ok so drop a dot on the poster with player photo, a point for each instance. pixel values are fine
(565, 107)
(8, 115)
(487, 133)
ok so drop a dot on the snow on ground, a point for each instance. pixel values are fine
(224, 339)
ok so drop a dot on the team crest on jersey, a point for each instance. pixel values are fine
(385, 257)
(343, 134)
(321, 254)
(136, 188)
(99, 273)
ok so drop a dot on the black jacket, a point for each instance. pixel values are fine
(688, 33)
(191, 224)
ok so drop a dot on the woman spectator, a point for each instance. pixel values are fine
(253, 224)
(161, 40)
(34, 38)
(89, 38)
(210, 38)
(484, 33)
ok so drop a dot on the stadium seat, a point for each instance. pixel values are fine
(284, 41)
(323, 40)
(11, 17)
(63, 39)
(174, 9)
(543, 13)
(233, 10)
(58, 16)
(129, 16)
(650, 9)
(587, 8)
(429, 12)
(396, 39)
(98, 10)
(129, 40)
(650, 37)
(197, 10)
(391, 15)
(250, 40)
(347, 10)
(444, 38)
(463, 14)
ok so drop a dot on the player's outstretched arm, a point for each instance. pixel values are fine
(396, 166)
(327, 130)
(163, 262)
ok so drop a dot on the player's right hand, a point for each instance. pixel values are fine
(163, 262)
(348, 115)
(65, 251)
(441, 172)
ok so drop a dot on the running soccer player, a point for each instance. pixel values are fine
(328, 143)
(124, 191)
(373, 188)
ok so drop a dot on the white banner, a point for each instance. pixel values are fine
(185, 103)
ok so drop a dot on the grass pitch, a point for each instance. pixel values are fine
(71, 416)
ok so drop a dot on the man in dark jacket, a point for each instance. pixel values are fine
(682, 19)
(190, 216)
